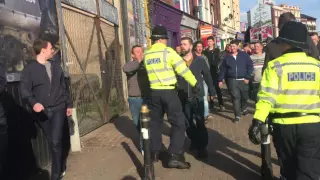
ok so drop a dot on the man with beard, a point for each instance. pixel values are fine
(199, 52)
(193, 103)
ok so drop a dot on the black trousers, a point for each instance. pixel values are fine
(216, 85)
(196, 131)
(298, 148)
(53, 124)
(239, 94)
(166, 101)
(3, 148)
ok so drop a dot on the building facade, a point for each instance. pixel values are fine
(230, 19)
(310, 22)
(278, 10)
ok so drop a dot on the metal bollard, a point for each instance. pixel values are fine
(266, 167)
(148, 165)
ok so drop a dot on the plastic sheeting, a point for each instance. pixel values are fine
(49, 28)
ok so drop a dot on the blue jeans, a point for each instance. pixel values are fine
(135, 104)
(205, 100)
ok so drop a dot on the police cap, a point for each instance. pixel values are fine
(294, 34)
(159, 32)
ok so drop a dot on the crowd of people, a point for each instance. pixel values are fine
(184, 82)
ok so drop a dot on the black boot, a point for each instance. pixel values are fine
(178, 161)
(155, 157)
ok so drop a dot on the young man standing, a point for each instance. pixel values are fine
(138, 86)
(315, 38)
(214, 61)
(237, 68)
(192, 103)
(43, 86)
(258, 61)
(199, 53)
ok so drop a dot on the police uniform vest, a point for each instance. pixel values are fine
(290, 84)
(162, 63)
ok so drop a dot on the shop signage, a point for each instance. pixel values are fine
(189, 22)
(87, 5)
(240, 36)
(205, 31)
(265, 31)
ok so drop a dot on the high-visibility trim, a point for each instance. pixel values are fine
(272, 100)
(184, 71)
(165, 59)
(278, 67)
(153, 52)
(163, 80)
(152, 71)
(290, 91)
(178, 64)
(294, 63)
(298, 106)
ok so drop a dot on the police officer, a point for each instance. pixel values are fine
(290, 93)
(162, 64)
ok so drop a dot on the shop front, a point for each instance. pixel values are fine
(169, 17)
(189, 27)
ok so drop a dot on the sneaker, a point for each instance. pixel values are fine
(237, 119)
(222, 108)
(63, 174)
(142, 152)
(178, 161)
(245, 112)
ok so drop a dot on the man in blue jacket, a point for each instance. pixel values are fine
(237, 68)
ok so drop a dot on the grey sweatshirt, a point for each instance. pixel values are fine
(137, 77)
(258, 62)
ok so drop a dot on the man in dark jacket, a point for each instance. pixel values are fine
(3, 121)
(273, 49)
(215, 61)
(43, 86)
(237, 68)
(138, 86)
(193, 104)
(315, 38)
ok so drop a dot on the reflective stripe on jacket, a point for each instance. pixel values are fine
(291, 83)
(162, 63)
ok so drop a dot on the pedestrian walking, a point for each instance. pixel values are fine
(315, 38)
(237, 68)
(138, 87)
(42, 85)
(193, 103)
(162, 64)
(178, 50)
(215, 62)
(199, 53)
(290, 93)
(258, 60)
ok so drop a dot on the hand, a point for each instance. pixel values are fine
(38, 107)
(246, 81)
(69, 112)
(254, 132)
(196, 88)
(212, 98)
(220, 84)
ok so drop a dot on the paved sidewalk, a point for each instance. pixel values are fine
(110, 154)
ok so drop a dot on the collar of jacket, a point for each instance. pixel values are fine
(293, 50)
(159, 45)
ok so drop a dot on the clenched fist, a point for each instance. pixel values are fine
(38, 107)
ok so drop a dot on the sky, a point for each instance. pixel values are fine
(308, 7)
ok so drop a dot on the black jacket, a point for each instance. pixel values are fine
(241, 67)
(200, 70)
(273, 51)
(35, 86)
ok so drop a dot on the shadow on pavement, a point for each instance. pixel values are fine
(134, 159)
(129, 178)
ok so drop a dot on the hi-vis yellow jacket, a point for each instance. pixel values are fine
(291, 83)
(161, 63)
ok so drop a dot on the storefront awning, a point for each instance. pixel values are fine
(189, 22)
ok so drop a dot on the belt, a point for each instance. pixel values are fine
(291, 115)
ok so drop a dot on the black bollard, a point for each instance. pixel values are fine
(266, 167)
(148, 165)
